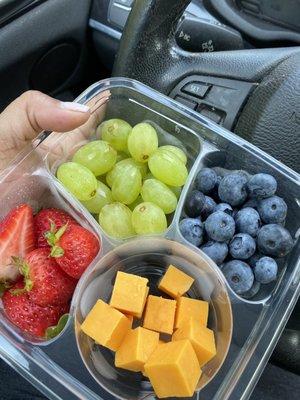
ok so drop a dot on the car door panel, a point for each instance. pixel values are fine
(44, 48)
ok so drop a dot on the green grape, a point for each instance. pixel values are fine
(127, 184)
(78, 179)
(115, 131)
(177, 151)
(119, 167)
(103, 197)
(167, 167)
(136, 202)
(148, 218)
(158, 193)
(142, 142)
(176, 190)
(121, 156)
(98, 156)
(115, 220)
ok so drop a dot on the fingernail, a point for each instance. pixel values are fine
(69, 105)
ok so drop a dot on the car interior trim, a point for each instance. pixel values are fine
(98, 26)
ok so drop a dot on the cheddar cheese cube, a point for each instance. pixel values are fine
(130, 317)
(106, 325)
(201, 338)
(143, 371)
(129, 294)
(173, 369)
(136, 348)
(175, 282)
(160, 314)
(191, 308)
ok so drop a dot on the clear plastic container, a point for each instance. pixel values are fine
(56, 367)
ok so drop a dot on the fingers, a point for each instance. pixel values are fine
(33, 112)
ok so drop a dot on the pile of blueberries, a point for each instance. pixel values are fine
(238, 221)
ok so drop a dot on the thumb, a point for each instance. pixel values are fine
(33, 112)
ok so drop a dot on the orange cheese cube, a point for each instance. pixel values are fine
(201, 338)
(159, 343)
(106, 325)
(175, 282)
(130, 317)
(129, 294)
(173, 369)
(191, 308)
(136, 348)
(160, 314)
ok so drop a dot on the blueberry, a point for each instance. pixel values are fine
(251, 203)
(265, 270)
(208, 208)
(261, 186)
(206, 180)
(217, 251)
(242, 246)
(220, 226)
(194, 203)
(247, 220)
(239, 276)
(192, 230)
(272, 210)
(253, 291)
(232, 189)
(274, 240)
(224, 207)
(253, 260)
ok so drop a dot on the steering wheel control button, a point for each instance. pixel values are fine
(212, 113)
(202, 35)
(118, 13)
(186, 102)
(219, 99)
(196, 89)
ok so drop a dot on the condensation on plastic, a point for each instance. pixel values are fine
(55, 367)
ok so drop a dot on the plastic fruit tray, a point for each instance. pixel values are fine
(55, 367)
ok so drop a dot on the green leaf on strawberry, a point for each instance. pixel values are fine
(53, 237)
(55, 330)
(3, 287)
(24, 270)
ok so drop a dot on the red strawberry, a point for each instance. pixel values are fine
(45, 282)
(17, 238)
(74, 248)
(43, 220)
(30, 317)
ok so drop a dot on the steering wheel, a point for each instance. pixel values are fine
(270, 115)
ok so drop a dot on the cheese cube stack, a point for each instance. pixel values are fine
(173, 368)
(201, 338)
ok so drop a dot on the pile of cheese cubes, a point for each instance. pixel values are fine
(173, 367)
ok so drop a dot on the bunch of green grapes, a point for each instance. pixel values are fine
(125, 179)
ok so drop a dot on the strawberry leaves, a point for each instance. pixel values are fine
(53, 237)
(55, 330)
(25, 271)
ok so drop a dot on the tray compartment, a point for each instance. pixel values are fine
(257, 324)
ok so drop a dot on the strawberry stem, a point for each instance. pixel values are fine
(25, 271)
(56, 252)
